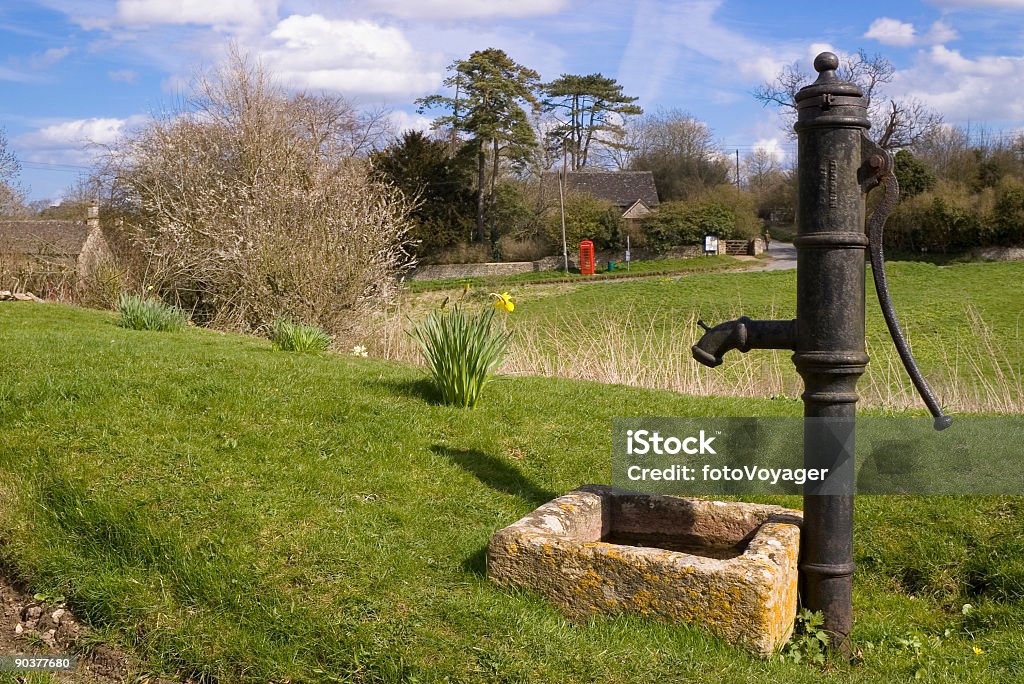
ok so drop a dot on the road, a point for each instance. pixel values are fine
(783, 257)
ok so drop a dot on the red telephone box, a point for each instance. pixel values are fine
(587, 257)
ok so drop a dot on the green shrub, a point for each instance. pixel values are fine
(142, 313)
(913, 176)
(1008, 213)
(949, 218)
(462, 351)
(298, 337)
(586, 218)
(726, 212)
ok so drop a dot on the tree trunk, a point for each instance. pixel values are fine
(494, 218)
(481, 182)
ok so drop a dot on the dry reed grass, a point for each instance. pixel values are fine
(974, 374)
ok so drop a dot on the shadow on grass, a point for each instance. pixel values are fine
(476, 563)
(500, 476)
(422, 388)
(496, 474)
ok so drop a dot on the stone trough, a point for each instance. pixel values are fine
(730, 567)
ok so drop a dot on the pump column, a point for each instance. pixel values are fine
(829, 350)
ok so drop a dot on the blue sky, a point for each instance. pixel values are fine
(76, 73)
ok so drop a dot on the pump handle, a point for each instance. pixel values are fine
(877, 169)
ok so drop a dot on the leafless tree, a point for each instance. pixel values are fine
(12, 195)
(762, 170)
(678, 149)
(249, 204)
(896, 123)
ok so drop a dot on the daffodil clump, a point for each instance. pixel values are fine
(298, 337)
(148, 313)
(463, 349)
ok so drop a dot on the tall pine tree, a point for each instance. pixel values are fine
(590, 110)
(490, 90)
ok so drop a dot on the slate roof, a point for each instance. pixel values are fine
(52, 238)
(621, 188)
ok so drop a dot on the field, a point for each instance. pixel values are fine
(965, 323)
(236, 514)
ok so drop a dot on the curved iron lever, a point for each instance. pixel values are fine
(878, 170)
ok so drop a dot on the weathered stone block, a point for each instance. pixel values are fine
(731, 567)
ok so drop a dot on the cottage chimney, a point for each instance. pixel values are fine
(93, 216)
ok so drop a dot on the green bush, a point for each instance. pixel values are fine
(724, 211)
(462, 351)
(949, 218)
(142, 313)
(586, 218)
(1008, 213)
(297, 337)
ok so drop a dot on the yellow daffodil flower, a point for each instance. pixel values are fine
(503, 301)
(978, 651)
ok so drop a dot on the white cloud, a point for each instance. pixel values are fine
(941, 33)
(466, 9)
(901, 34)
(25, 69)
(46, 59)
(175, 84)
(202, 12)
(16, 75)
(123, 75)
(350, 57)
(77, 133)
(773, 147)
(891, 32)
(661, 29)
(404, 121)
(815, 49)
(988, 88)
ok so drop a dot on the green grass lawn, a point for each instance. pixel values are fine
(234, 513)
(637, 269)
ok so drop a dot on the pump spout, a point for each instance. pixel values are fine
(743, 334)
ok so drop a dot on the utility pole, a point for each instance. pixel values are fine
(561, 205)
(737, 169)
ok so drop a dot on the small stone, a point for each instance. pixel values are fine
(18, 629)
(58, 614)
(33, 612)
(22, 297)
(5, 295)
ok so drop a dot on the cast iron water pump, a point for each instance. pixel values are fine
(837, 165)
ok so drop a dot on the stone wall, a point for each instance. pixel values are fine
(8, 296)
(441, 271)
(1000, 253)
(551, 263)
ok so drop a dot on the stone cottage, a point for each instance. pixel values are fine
(53, 246)
(632, 192)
